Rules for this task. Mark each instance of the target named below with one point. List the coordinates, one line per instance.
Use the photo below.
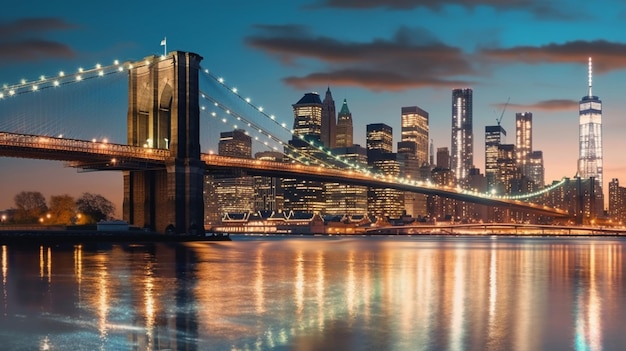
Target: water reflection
(318, 293)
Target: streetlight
(167, 143)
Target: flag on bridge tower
(164, 44)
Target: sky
(379, 55)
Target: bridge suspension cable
(337, 160)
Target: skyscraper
(379, 141)
(462, 145)
(590, 135)
(307, 117)
(523, 141)
(346, 198)
(507, 169)
(494, 136)
(536, 169)
(224, 193)
(344, 134)
(304, 195)
(329, 121)
(415, 128)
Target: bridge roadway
(445, 228)
(100, 155)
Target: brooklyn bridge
(162, 161)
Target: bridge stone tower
(164, 113)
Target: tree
(30, 206)
(62, 209)
(95, 207)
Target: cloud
(554, 105)
(607, 56)
(539, 8)
(33, 50)
(23, 40)
(412, 58)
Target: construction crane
(503, 109)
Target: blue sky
(378, 57)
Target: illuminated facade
(494, 136)
(536, 169)
(307, 117)
(329, 121)
(268, 192)
(523, 141)
(415, 128)
(226, 193)
(590, 135)
(385, 202)
(507, 169)
(347, 199)
(304, 195)
(617, 201)
(462, 145)
(344, 127)
(379, 140)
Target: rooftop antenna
(590, 76)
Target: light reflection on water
(318, 293)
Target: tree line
(31, 207)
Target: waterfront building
(385, 202)
(581, 197)
(268, 192)
(494, 136)
(536, 169)
(329, 121)
(412, 153)
(379, 140)
(523, 141)
(347, 199)
(414, 204)
(507, 169)
(305, 195)
(414, 128)
(344, 127)
(442, 208)
(617, 201)
(590, 134)
(462, 143)
(226, 192)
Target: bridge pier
(164, 112)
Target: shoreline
(87, 236)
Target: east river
(317, 293)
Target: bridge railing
(73, 145)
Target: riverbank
(74, 236)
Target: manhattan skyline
(378, 57)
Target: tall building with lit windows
(345, 131)
(224, 193)
(523, 141)
(305, 195)
(462, 143)
(590, 135)
(537, 172)
(494, 137)
(329, 121)
(386, 202)
(414, 124)
(379, 141)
